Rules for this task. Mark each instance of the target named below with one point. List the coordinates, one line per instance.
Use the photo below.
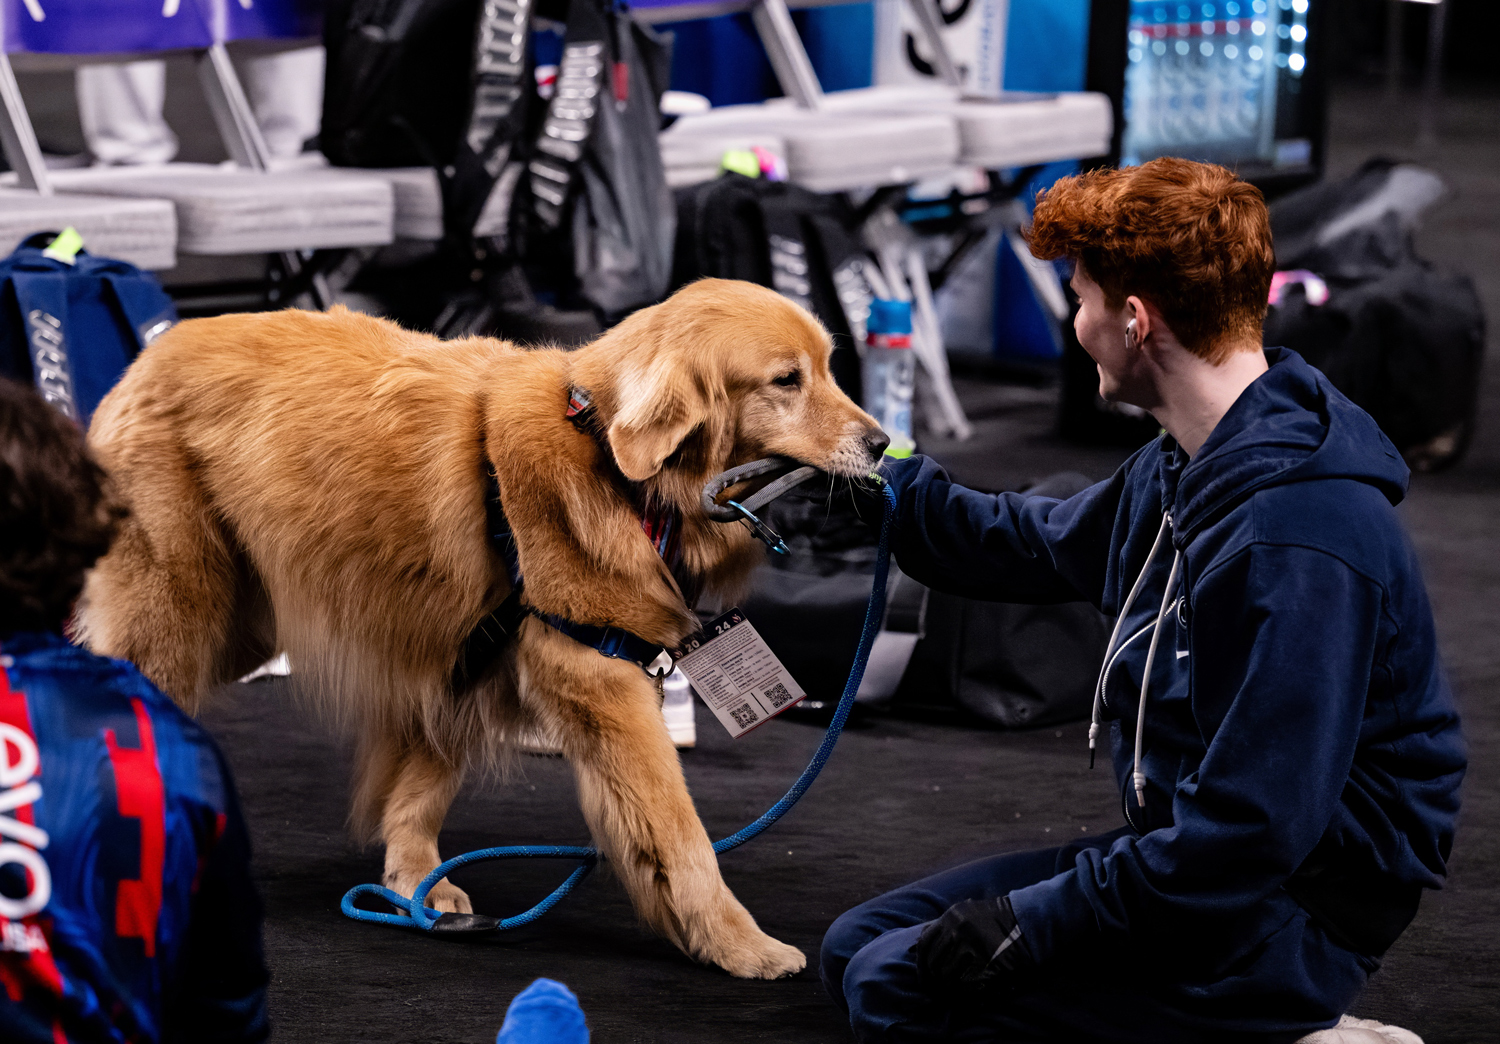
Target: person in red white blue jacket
(126, 907)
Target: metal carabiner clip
(788, 474)
(764, 533)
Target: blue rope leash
(418, 915)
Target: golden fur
(314, 483)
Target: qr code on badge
(777, 696)
(744, 715)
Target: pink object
(1312, 285)
(772, 166)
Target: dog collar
(580, 407)
(660, 523)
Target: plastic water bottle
(889, 371)
(678, 710)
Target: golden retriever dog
(316, 484)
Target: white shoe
(1361, 1031)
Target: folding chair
(143, 232)
(242, 210)
(828, 151)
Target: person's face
(1102, 332)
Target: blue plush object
(546, 1012)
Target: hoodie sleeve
(1282, 650)
(1004, 547)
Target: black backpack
(594, 219)
(801, 244)
(446, 84)
(569, 193)
(1401, 339)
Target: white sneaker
(679, 710)
(1361, 1031)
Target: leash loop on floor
(416, 914)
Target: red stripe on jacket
(140, 793)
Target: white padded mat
(416, 194)
(691, 158)
(1015, 131)
(141, 231)
(419, 202)
(827, 152)
(231, 211)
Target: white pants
(120, 106)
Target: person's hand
(975, 946)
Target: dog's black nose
(876, 441)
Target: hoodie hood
(1290, 425)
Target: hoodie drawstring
(1138, 778)
(1136, 775)
(1110, 650)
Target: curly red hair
(1190, 238)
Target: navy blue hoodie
(1296, 701)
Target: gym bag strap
(570, 114)
(791, 268)
(845, 260)
(42, 300)
(435, 83)
(143, 303)
(621, 217)
(477, 186)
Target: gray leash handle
(794, 475)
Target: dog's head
(721, 373)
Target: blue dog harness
(483, 646)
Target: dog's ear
(658, 408)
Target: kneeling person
(1287, 749)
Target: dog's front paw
(763, 958)
(449, 898)
(444, 897)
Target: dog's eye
(788, 380)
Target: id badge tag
(737, 675)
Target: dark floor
(897, 799)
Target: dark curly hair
(1191, 238)
(57, 514)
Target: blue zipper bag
(70, 323)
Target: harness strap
(484, 644)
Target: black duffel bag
(974, 662)
(1010, 665)
(1403, 340)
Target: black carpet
(898, 798)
